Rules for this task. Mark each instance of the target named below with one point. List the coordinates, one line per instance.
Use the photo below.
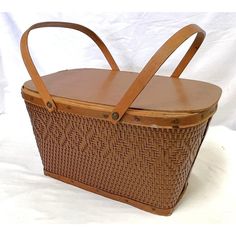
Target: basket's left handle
(43, 91)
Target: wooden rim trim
(155, 119)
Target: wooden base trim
(142, 206)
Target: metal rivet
(175, 121)
(115, 115)
(175, 126)
(49, 104)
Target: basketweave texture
(145, 164)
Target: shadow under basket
(120, 134)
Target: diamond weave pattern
(145, 164)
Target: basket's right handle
(156, 62)
(46, 97)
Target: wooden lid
(107, 87)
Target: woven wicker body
(137, 156)
(146, 166)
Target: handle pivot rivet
(115, 115)
(49, 104)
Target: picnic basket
(131, 137)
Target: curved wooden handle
(156, 62)
(47, 99)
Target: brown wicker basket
(121, 134)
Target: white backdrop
(132, 39)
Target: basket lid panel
(107, 87)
